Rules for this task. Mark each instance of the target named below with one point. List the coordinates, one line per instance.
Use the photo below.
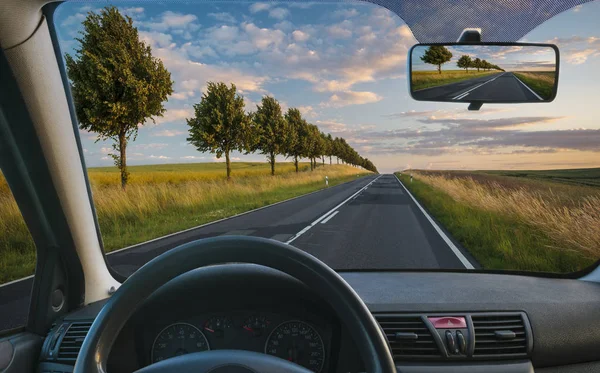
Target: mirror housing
(460, 72)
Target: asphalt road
(496, 87)
(369, 223)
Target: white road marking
(461, 96)
(530, 90)
(330, 211)
(329, 217)
(446, 239)
(474, 88)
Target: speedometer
(178, 339)
(298, 342)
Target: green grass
(428, 79)
(163, 199)
(541, 83)
(496, 241)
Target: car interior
(245, 296)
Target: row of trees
(466, 62)
(221, 125)
(118, 86)
(439, 55)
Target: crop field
(163, 199)
(428, 79)
(522, 220)
(541, 82)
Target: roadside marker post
(327, 181)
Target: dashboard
(302, 338)
(510, 323)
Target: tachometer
(178, 339)
(298, 342)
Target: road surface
(368, 223)
(496, 87)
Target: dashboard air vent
(72, 341)
(408, 336)
(500, 335)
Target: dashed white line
(330, 211)
(329, 217)
(530, 90)
(446, 239)
(474, 88)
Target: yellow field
(428, 79)
(163, 199)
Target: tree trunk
(228, 165)
(323, 159)
(338, 160)
(123, 159)
(272, 161)
(439, 68)
(296, 163)
(330, 160)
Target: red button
(448, 322)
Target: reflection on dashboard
(304, 342)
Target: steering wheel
(351, 310)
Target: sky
(344, 66)
(509, 58)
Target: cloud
(172, 21)
(340, 31)
(279, 13)
(173, 115)
(259, 7)
(149, 146)
(223, 17)
(345, 13)
(307, 111)
(156, 38)
(192, 158)
(159, 157)
(182, 95)
(73, 19)
(168, 133)
(345, 98)
(300, 36)
(576, 50)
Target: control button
(448, 322)
(461, 342)
(451, 343)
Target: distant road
(367, 224)
(497, 87)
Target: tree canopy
(464, 62)
(220, 123)
(437, 55)
(272, 129)
(117, 84)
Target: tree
(477, 63)
(464, 62)
(117, 84)
(273, 129)
(485, 65)
(330, 147)
(220, 124)
(296, 143)
(314, 145)
(437, 55)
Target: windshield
(293, 121)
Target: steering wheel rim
(348, 306)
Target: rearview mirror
(484, 72)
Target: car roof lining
(442, 21)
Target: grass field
(163, 199)
(541, 82)
(517, 223)
(428, 79)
